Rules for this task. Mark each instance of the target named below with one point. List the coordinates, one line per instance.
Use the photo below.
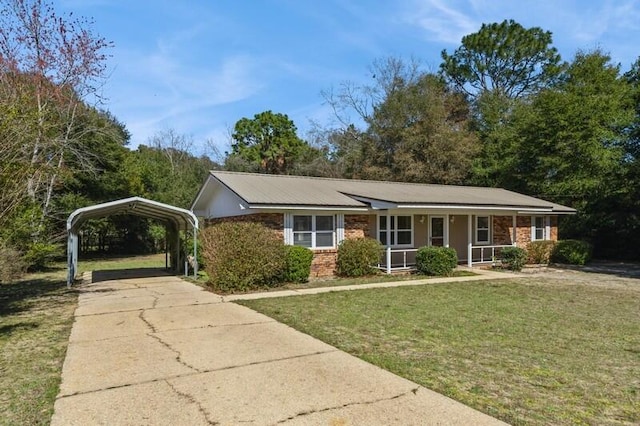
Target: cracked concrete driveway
(161, 351)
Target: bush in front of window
(540, 251)
(357, 257)
(440, 261)
(242, 256)
(514, 258)
(298, 261)
(573, 252)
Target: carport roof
(182, 218)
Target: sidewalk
(161, 351)
(482, 274)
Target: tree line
(504, 109)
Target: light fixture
(421, 219)
(453, 219)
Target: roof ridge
(355, 180)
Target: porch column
(446, 230)
(195, 253)
(388, 243)
(514, 221)
(469, 241)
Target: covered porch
(477, 236)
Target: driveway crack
(194, 401)
(350, 404)
(153, 334)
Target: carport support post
(195, 252)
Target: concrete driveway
(155, 350)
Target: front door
(436, 231)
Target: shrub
(573, 252)
(540, 251)
(514, 258)
(11, 264)
(298, 260)
(39, 255)
(242, 256)
(436, 260)
(357, 257)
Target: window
(313, 231)
(482, 230)
(539, 228)
(401, 228)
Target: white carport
(174, 218)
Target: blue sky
(199, 66)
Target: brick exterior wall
(502, 230)
(523, 231)
(356, 226)
(324, 263)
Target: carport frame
(179, 219)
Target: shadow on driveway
(123, 274)
(620, 269)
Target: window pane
(539, 222)
(539, 233)
(302, 223)
(383, 238)
(483, 222)
(483, 235)
(393, 222)
(404, 222)
(404, 237)
(383, 222)
(302, 239)
(324, 239)
(324, 223)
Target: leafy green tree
(267, 143)
(504, 58)
(573, 146)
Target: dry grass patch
(540, 350)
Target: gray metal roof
(182, 218)
(278, 190)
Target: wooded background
(504, 110)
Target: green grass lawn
(36, 314)
(528, 351)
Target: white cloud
(440, 20)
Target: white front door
(436, 231)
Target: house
(320, 212)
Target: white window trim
(395, 231)
(289, 235)
(489, 233)
(546, 220)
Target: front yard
(558, 348)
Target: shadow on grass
(124, 274)
(9, 329)
(23, 295)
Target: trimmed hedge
(540, 251)
(242, 256)
(298, 260)
(357, 257)
(436, 260)
(514, 258)
(573, 252)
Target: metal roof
(260, 190)
(182, 218)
